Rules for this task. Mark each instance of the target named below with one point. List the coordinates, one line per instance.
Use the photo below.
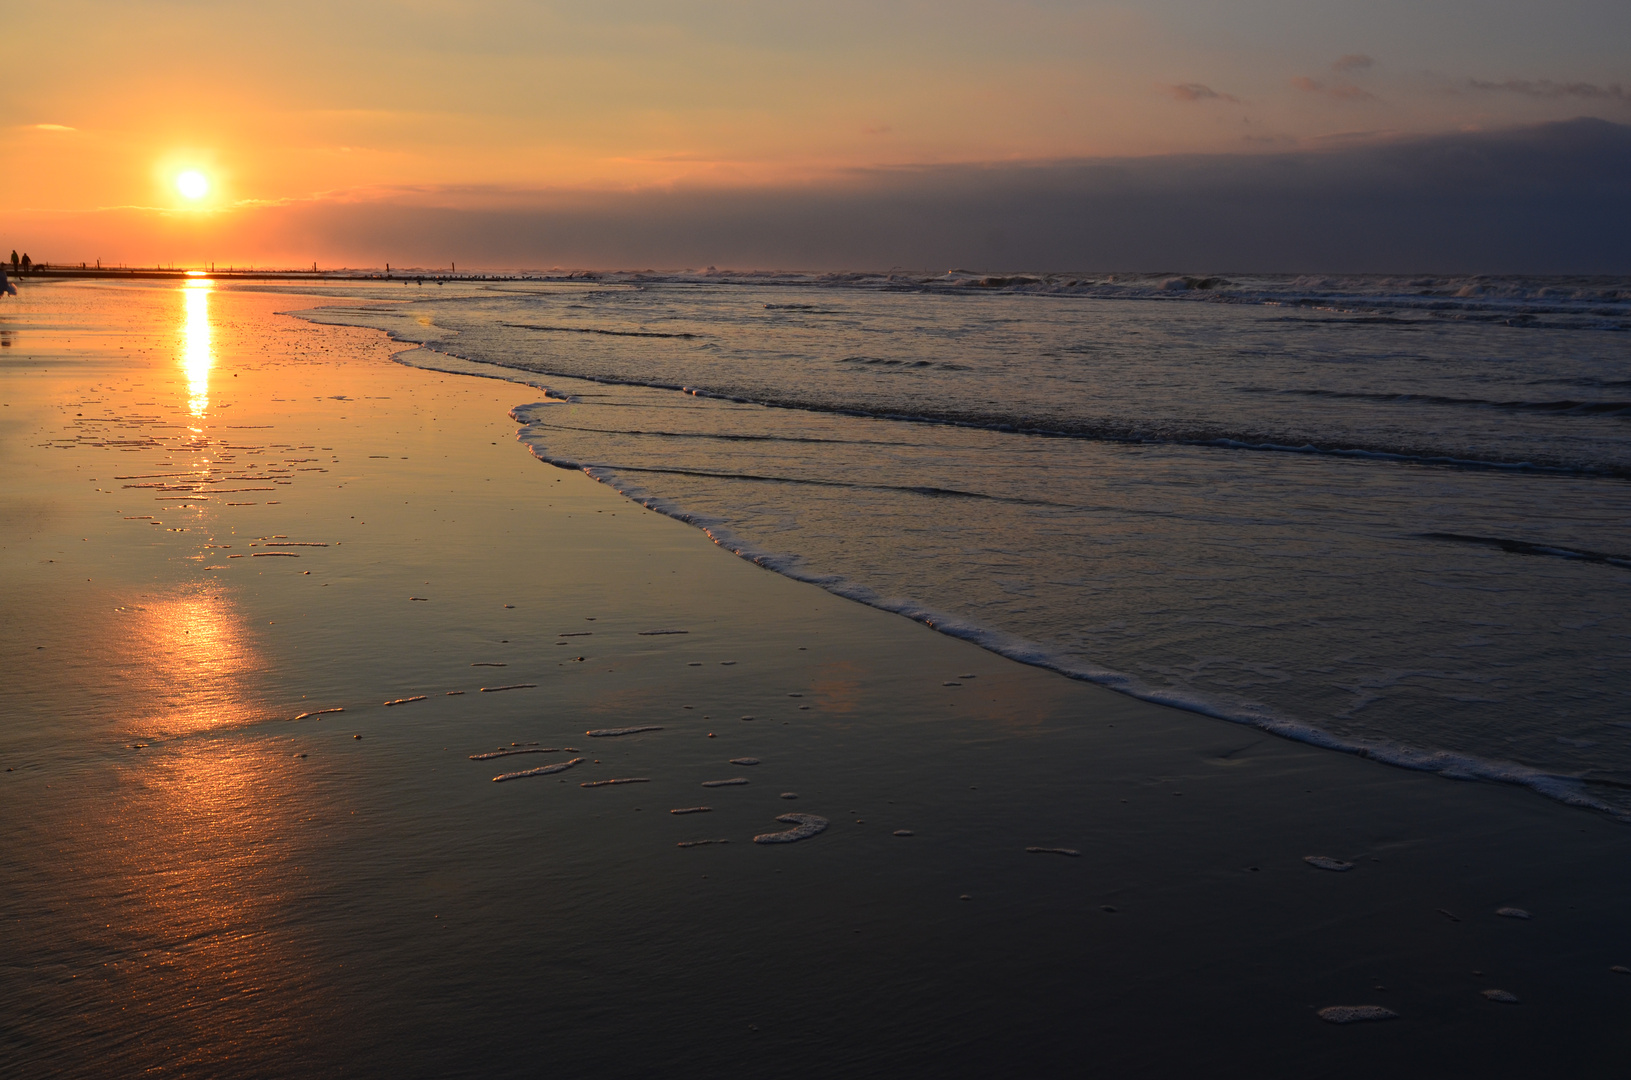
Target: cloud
(1340, 91)
(1551, 198)
(1353, 62)
(1546, 88)
(53, 127)
(1198, 92)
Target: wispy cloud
(53, 127)
(1353, 62)
(1340, 91)
(1546, 88)
(1199, 92)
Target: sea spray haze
(1391, 515)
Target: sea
(1386, 515)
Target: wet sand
(195, 882)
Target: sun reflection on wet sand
(197, 353)
(195, 654)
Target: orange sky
(465, 103)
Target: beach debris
(542, 770)
(1355, 1014)
(271, 554)
(619, 780)
(609, 732)
(1107, 909)
(790, 794)
(320, 712)
(528, 750)
(1325, 862)
(747, 718)
(1513, 913)
(660, 633)
(421, 599)
(965, 896)
(744, 761)
(727, 663)
(1620, 969)
(804, 827)
(356, 736)
(951, 684)
(454, 693)
(1505, 997)
(903, 832)
(692, 810)
(405, 700)
(487, 663)
(1072, 852)
(1452, 916)
(512, 686)
(734, 781)
(699, 843)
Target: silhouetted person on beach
(6, 287)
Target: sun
(193, 184)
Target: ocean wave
(1571, 789)
(1563, 407)
(1551, 302)
(1145, 432)
(1526, 547)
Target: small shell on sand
(512, 686)
(544, 770)
(529, 750)
(319, 712)
(744, 761)
(1354, 1014)
(405, 700)
(732, 782)
(1054, 851)
(620, 780)
(804, 827)
(692, 810)
(1513, 913)
(699, 843)
(790, 794)
(903, 832)
(1503, 996)
(608, 732)
(1325, 862)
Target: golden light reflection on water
(197, 352)
(196, 654)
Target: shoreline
(1568, 790)
(350, 893)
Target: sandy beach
(269, 594)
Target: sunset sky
(487, 106)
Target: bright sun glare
(192, 184)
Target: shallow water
(1386, 515)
